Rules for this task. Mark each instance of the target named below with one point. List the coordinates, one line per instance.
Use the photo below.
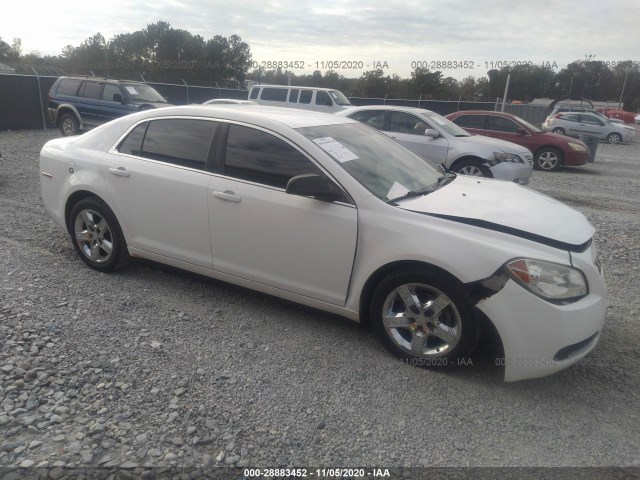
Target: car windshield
(143, 93)
(339, 98)
(528, 125)
(383, 166)
(447, 125)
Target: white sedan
(324, 211)
(441, 141)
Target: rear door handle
(227, 195)
(120, 171)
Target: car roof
(101, 79)
(298, 87)
(485, 112)
(387, 108)
(256, 114)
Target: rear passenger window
(260, 157)
(470, 121)
(183, 142)
(92, 90)
(293, 95)
(323, 98)
(254, 93)
(68, 86)
(274, 94)
(305, 96)
(131, 144)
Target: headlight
(506, 157)
(551, 281)
(577, 147)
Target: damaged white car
(324, 211)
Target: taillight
(557, 115)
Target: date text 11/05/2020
(442, 64)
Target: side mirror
(521, 131)
(316, 186)
(117, 97)
(431, 132)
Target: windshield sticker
(335, 149)
(131, 90)
(397, 190)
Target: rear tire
(96, 235)
(69, 125)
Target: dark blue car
(81, 103)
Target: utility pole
(506, 90)
(623, 87)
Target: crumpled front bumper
(541, 338)
(512, 172)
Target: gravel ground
(157, 367)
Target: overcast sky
(367, 31)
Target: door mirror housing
(117, 97)
(316, 186)
(431, 132)
(521, 131)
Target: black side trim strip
(513, 231)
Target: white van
(325, 100)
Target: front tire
(423, 318)
(559, 131)
(548, 159)
(614, 138)
(472, 167)
(69, 125)
(96, 235)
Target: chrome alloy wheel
(422, 320)
(68, 126)
(470, 170)
(93, 236)
(548, 160)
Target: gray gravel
(156, 367)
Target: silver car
(441, 141)
(575, 124)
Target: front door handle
(120, 171)
(227, 195)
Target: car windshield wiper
(445, 178)
(411, 193)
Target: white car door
(409, 129)
(163, 177)
(261, 233)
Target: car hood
(499, 145)
(509, 208)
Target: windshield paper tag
(131, 90)
(397, 190)
(335, 149)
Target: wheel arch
(67, 108)
(376, 277)
(467, 157)
(74, 198)
(553, 147)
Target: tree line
(162, 53)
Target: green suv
(80, 103)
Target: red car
(550, 151)
(626, 117)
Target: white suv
(441, 141)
